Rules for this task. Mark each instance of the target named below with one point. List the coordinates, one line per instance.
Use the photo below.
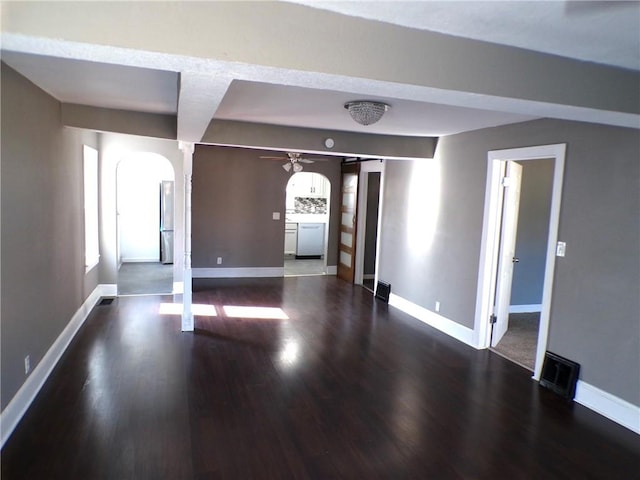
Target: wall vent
(560, 375)
(382, 291)
(105, 301)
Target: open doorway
(520, 339)
(306, 224)
(369, 206)
(498, 250)
(144, 219)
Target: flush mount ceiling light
(366, 112)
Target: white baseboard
(451, 328)
(178, 288)
(240, 272)
(608, 405)
(21, 401)
(332, 269)
(140, 260)
(108, 290)
(535, 307)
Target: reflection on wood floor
(325, 383)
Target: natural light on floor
(255, 312)
(197, 309)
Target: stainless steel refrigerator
(166, 221)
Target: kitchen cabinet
(309, 184)
(290, 238)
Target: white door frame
(363, 188)
(491, 236)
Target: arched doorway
(306, 224)
(144, 224)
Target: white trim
(108, 289)
(332, 269)
(534, 307)
(21, 401)
(239, 272)
(140, 260)
(608, 405)
(178, 288)
(490, 236)
(451, 328)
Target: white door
(506, 255)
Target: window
(91, 245)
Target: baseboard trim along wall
(19, 404)
(608, 405)
(536, 307)
(451, 328)
(332, 269)
(604, 403)
(239, 272)
(140, 260)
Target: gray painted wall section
(43, 273)
(594, 313)
(120, 121)
(533, 232)
(234, 196)
(254, 135)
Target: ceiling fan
(293, 161)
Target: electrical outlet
(561, 249)
(437, 306)
(219, 261)
(27, 365)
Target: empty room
(382, 240)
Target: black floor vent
(560, 375)
(382, 291)
(105, 301)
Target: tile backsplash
(311, 205)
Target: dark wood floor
(347, 388)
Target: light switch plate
(561, 249)
(276, 215)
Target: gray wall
(594, 311)
(234, 196)
(43, 278)
(533, 232)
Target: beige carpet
(520, 342)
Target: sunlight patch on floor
(255, 312)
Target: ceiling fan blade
(306, 160)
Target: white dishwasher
(310, 240)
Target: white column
(187, 315)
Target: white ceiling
(100, 84)
(102, 76)
(324, 109)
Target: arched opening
(307, 210)
(144, 224)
